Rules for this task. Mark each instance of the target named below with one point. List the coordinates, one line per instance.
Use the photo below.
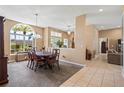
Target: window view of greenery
(65, 43)
(21, 38)
(56, 40)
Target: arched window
(21, 37)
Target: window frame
(17, 40)
(54, 34)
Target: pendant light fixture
(69, 30)
(36, 17)
(36, 36)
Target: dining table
(45, 55)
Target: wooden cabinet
(3, 60)
(3, 70)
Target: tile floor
(97, 73)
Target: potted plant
(59, 43)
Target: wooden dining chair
(56, 51)
(30, 60)
(49, 49)
(37, 61)
(54, 58)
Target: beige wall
(91, 38)
(76, 55)
(85, 37)
(7, 27)
(80, 37)
(44, 32)
(67, 54)
(40, 41)
(46, 38)
(71, 41)
(112, 34)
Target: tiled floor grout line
(103, 77)
(111, 67)
(114, 79)
(92, 76)
(103, 66)
(105, 73)
(80, 77)
(108, 75)
(84, 73)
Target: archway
(21, 38)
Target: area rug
(21, 76)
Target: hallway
(97, 73)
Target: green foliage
(59, 43)
(22, 27)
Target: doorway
(103, 45)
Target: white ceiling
(62, 16)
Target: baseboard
(72, 63)
(96, 56)
(11, 61)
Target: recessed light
(100, 10)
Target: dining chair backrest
(33, 49)
(35, 57)
(57, 53)
(55, 57)
(51, 59)
(49, 49)
(29, 56)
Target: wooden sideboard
(3, 60)
(3, 70)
